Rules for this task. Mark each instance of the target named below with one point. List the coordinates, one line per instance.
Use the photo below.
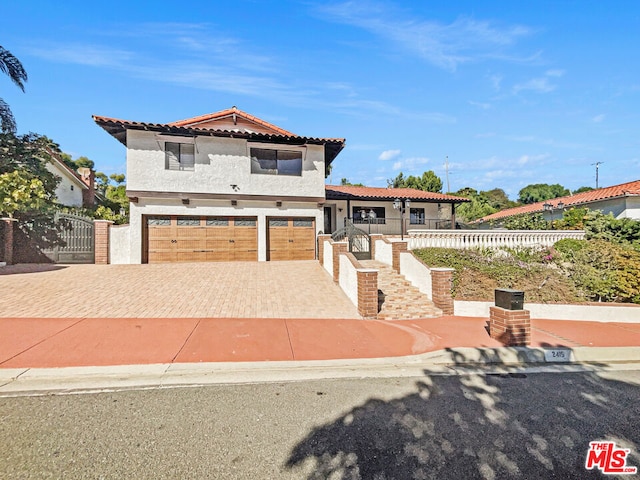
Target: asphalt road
(463, 427)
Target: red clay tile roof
(118, 129)
(579, 199)
(193, 122)
(338, 192)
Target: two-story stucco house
(222, 187)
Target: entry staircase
(397, 298)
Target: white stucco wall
(349, 279)
(384, 252)
(633, 208)
(69, 190)
(119, 244)
(416, 272)
(328, 257)
(592, 313)
(259, 209)
(220, 163)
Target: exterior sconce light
(278, 204)
(560, 205)
(407, 203)
(185, 201)
(547, 207)
(397, 204)
(234, 203)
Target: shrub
(602, 270)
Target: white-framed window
(179, 156)
(416, 216)
(368, 215)
(268, 161)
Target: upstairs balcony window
(265, 161)
(179, 156)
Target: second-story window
(179, 156)
(276, 162)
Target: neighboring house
(75, 189)
(623, 201)
(222, 187)
(373, 209)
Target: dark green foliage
(428, 182)
(539, 192)
(602, 270)
(527, 222)
(12, 67)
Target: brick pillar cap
(442, 269)
(367, 270)
(105, 221)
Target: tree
(345, 181)
(478, 207)
(11, 66)
(27, 188)
(428, 182)
(583, 189)
(498, 199)
(540, 192)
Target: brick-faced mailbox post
(509, 323)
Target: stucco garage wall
(119, 244)
(258, 209)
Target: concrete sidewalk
(83, 342)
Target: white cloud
(483, 106)
(537, 85)
(82, 54)
(444, 45)
(555, 73)
(411, 165)
(598, 118)
(389, 154)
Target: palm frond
(11, 66)
(7, 122)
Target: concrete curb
(68, 380)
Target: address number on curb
(557, 355)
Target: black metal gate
(77, 240)
(359, 240)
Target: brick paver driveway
(301, 289)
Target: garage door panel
(292, 238)
(202, 239)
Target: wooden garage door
(292, 239)
(201, 239)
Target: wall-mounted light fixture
(185, 201)
(234, 203)
(278, 204)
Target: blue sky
(513, 93)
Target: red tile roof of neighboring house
(579, 199)
(337, 192)
(192, 122)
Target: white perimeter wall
(349, 279)
(593, 313)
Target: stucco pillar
(374, 237)
(396, 248)
(321, 239)
(511, 327)
(8, 224)
(101, 241)
(441, 289)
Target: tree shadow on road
(478, 425)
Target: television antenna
(597, 164)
